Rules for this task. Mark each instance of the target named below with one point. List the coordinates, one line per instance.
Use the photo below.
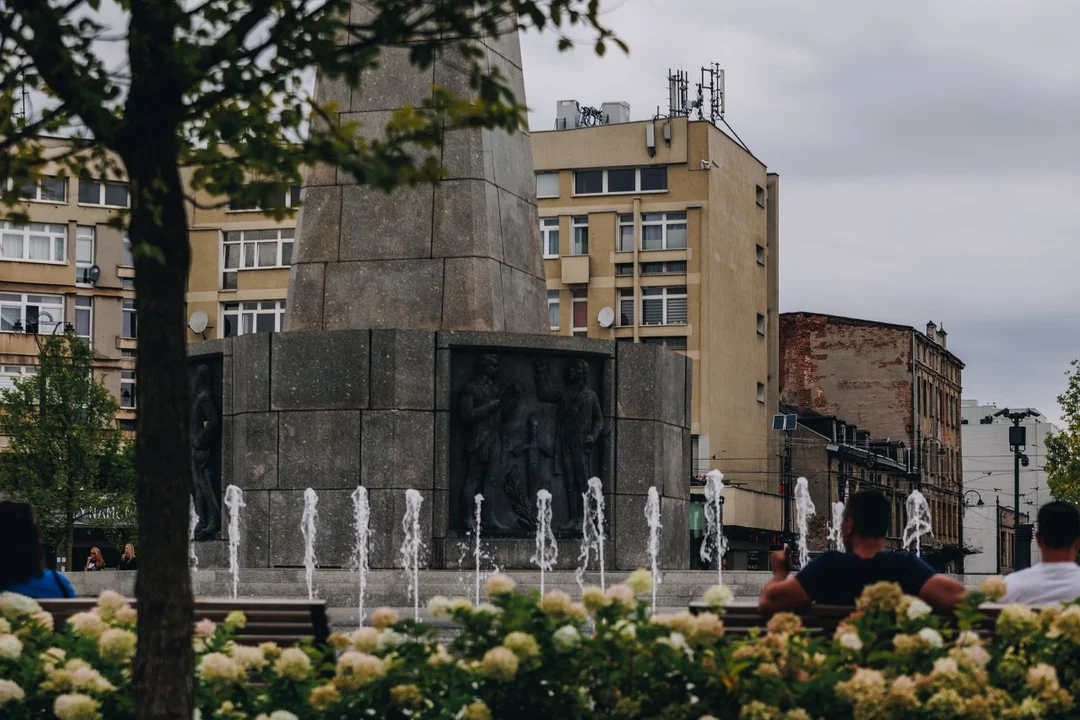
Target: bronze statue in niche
(519, 424)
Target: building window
(759, 195)
(36, 242)
(547, 184)
(553, 309)
(128, 354)
(620, 181)
(581, 235)
(626, 307)
(663, 306)
(549, 237)
(624, 269)
(761, 324)
(579, 322)
(252, 317)
(664, 268)
(127, 283)
(31, 313)
(288, 199)
(127, 389)
(761, 393)
(663, 231)
(128, 258)
(47, 189)
(84, 254)
(672, 342)
(10, 373)
(130, 328)
(761, 255)
(105, 193)
(626, 233)
(254, 250)
(84, 319)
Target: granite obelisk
(459, 255)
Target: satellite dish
(606, 318)
(198, 322)
(93, 274)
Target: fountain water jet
(918, 524)
(714, 541)
(193, 521)
(652, 517)
(234, 501)
(477, 552)
(592, 531)
(307, 530)
(547, 549)
(836, 532)
(411, 547)
(804, 508)
(362, 525)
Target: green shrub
(521, 656)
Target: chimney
(931, 332)
(943, 337)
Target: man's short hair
(869, 512)
(1059, 524)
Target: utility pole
(997, 531)
(1017, 442)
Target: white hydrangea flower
(851, 641)
(14, 606)
(917, 609)
(932, 637)
(10, 692)
(10, 647)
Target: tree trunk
(69, 539)
(148, 144)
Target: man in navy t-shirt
(838, 578)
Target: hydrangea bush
(519, 655)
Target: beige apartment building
(69, 268)
(666, 231)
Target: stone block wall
(331, 410)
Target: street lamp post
(1017, 442)
(960, 527)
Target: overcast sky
(928, 152)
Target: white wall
(988, 469)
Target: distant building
(902, 383)
(988, 476)
(666, 231)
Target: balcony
(575, 269)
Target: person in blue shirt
(838, 578)
(23, 571)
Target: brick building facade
(902, 383)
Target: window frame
(127, 249)
(579, 296)
(626, 297)
(760, 324)
(664, 223)
(759, 196)
(604, 181)
(549, 226)
(623, 221)
(670, 342)
(579, 223)
(237, 310)
(101, 194)
(242, 243)
(548, 174)
(37, 198)
(128, 379)
(759, 254)
(12, 372)
(293, 199)
(127, 308)
(554, 303)
(665, 294)
(57, 240)
(761, 393)
(81, 279)
(665, 264)
(23, 303)
(88, 308)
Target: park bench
(740, 617)
(285, 622)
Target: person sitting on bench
(838, 578)
(1057, 578)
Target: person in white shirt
(1057, 578)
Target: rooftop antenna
(678, 93)
(25, 111)
(712, 84)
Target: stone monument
(417, 355)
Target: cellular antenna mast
(711, 85)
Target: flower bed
(520, 656)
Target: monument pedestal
(383, 409)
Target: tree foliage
(147, 88)
(1063, 449)
(65, 454)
